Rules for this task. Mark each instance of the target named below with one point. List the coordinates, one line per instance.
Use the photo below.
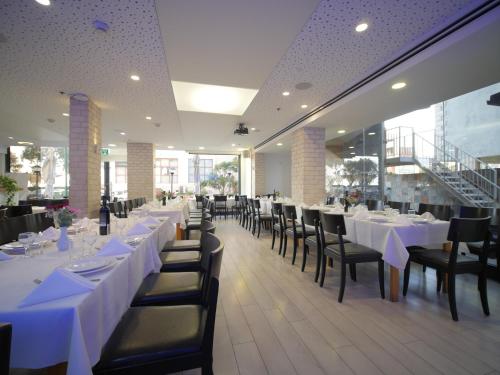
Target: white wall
(278, 173)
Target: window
(121, 172)
(206, 168)
(163, 167)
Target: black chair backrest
(289, 216)
(330, 200)
(220, 198)
(403, 207)
(210, 303)
(250, 207)
(3, 213)
(5, 342)
(374, 205)
(209, 243)
(310, 217)
(207, 226)
(441, 212)
(474, 212)
(469, 230)
(332, 223)
(13, 211)
(11, 227)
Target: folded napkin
(4, 256)
(138, 229)
(151, 221)
(403, 220)
(115, 246)
(50, 234)
(59, 284)
(428, 216)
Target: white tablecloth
(391, 239)
(72, 329)
(177, 212)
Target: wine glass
(120, 226)
(90, 240)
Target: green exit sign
(105, 151)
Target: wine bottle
(104, 218)
(346, 202)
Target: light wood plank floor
(273, 319)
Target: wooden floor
(274, 319)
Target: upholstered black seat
(168, 288)
(354, 253)
(180, 261)
(298, 230)
(182, 245)
(330, 239)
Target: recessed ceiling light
(351, 146)
(198, 97)
(170, 147)
(342, 131)
(201, 148)
(361, 27)
(25, 143)
(11, 138)
(253, 129)
(303, 106)
(111, 145)
(234, 144)
(43, 2)
(241, 149)
(279, 144)
(135, 77)
(353, 153)
(285, 93)
(149, 118)
(398, 85)
(371, 133)
(123, 133)
(65, 114)
(374, 154)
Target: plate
(12, 246)
(348, 214)
(133, 241)
(419, 221)
(379, 219)
(88, 265)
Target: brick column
(140, 170)
(258, 174)
(85, 157)
(308, 165)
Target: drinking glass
(26, 239)
(90, 240)
(411, 212)
(120, 226)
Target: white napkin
(50, 234)
(115, 246)
(4, 256)
(403, 220)
(428, 216)
(151, 221)
(138, 229)
(59, 284)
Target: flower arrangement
(353, 198)
(63, 215)
(160, 194)
(10, 187)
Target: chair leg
(295, 245)
(285, 241)
(304, 255)
(484, 292)
(186, 233)
(343, 272)
(352, 271)
(406, 278)
(281, 243)
(273, 240)
(323, 271)
(381, 278)
(258, 233)
(318, 263)
(439, 278)
(451, 296)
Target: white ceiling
(260, 44)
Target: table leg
(59, 369)
(394, 284)
(179, 232)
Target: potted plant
(9, 186)
(64, 218)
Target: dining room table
(62, 316)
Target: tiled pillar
(85, 156)
(308, 165)
(258, 174)
(140, 170)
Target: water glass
(411, 212)
(26, 239)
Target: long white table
(177, 212)
(72, 329)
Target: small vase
(63, 241)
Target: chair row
(122, 208)
(12, 226)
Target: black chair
(403, 207)
(120, 209)
(237, 207)
(292, 230)
(330, 200)
(3, 213)
(5, 342)
(162, 339)
(453, 263)
(190, 245)
(220, 205)
(183, 288)
(441, 212)
(259, 218)
(277, 218)
(474, 212)
(11, 227)
(195, 224)
(13, 211)
(374, 205)
(347, 253)
(199, 201)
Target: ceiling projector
(242, 130)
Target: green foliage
(32, 154)
(363, 171)
(220, 180)
(9, 185)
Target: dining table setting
(64, 305)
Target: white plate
(419, 221)
(99, 270)
(378, 219)
(88, 265)
(12, 246)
